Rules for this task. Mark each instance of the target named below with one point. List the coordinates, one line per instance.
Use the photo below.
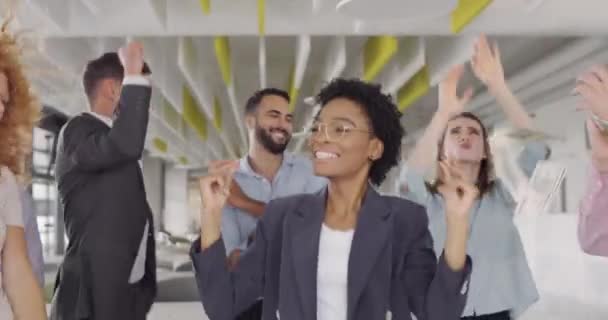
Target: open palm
(486, 63)
(592, 86)
(449, 101)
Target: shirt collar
(245, 166)
(108, 121)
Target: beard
(264, 136)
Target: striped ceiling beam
(297, 74)
(223, 57)
(466, 12)
(377, 52)
(205, 6)
(335, 63)
(190, 66)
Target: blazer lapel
(305, 229)
(370, 236)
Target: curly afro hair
(383, 116)
(22, 110)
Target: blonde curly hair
(22, 111)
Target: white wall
(176, 216)
(561, 118)
(153, 181)
(572, 284)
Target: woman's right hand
(450, 104)
(214, 189)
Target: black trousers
(252, 313)
(494, 316)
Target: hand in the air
(592, 86)
(214, 190)
(486, 64)
(449, 102)
(132, 58)
(236, 195)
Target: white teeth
(325, 155)
(278, 135)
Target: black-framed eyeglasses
(334, 131)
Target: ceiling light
(396, 9)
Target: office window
(44, 190)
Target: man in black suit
(109, 270)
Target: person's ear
(250, 121)
(376, 149)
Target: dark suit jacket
(105, 208)
(392, 265)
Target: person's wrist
(497, 88)
(457, 222)
(208, 220)
(444, 114)
(210, 232)
(133, 73)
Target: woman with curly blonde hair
(20, 295)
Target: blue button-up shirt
(294, 176)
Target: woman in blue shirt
(501, 284)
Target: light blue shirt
(295, 176)
(501, 279)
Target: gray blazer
(392, 266)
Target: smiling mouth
(278, 134)
(322, 155)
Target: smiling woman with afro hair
(347, 252)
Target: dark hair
(383, 116)
(104, 67)
(485, 180)
(254, 101)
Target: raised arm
(237, 198)
(592, 87)
(450, 104)
(488, 68)
(94, 150)
(225, 294)
(439, 290)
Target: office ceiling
(207, 57)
